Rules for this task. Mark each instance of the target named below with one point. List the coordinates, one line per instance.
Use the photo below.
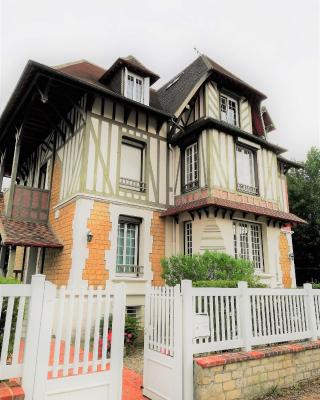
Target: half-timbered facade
(109, 175)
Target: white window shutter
(146, 86)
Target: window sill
(129, 279)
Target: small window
(247, 180)
(247, 239)
(134, 87)
(132, 165)
(190, 166)
(128, 247)
(229, 110)
(134, 311)
(188, 238)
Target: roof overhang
(226, 204)
(290, 163)
(209, 122)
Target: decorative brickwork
(99, 224)
(244, 376)
(157, 231)
(285, 262)
(58, 262)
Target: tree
(304, 199)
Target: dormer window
(135, 87)
(229, 110)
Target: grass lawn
(306, 390)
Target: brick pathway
(131, 388)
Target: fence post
(177, 342)
(32, 336)
(245, 316)
(311, 312)
(187, 335)
(117, 342)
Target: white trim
(247, 142)
(229, 99)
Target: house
(109, 175)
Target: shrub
(207, 267)
(8, 281)
(225, 284)
(316, 285)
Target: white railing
(68, 346)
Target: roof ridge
(69, 64)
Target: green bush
(8, 281)
(316, 285)
(225, 284)
(207, 267)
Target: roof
(134, 65)
(233, 205)
(172, 96)
(23, 233)
(290, 163)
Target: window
(134, 311)
(246, 170)
(191, 171)
(132, 165)
(188, 238)
(229, 110)
(134, 87)
(247, 239)
(42, 177)
(128, 246)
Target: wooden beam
(206, 210)
(232, 214)
(65, 119)
(14, 170)
(199, 213)
(191, 215)
(3, 156)
(176, 218)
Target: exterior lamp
(89, 236)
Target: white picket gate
(213, 319)
(162, 374)
(63, 353)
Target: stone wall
(244, 376)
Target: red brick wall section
(100, 226)
(11, 390)
(58, 261)
(157, 231)
(285, 262)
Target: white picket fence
(61, 343)
(216, 319)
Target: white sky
(271, 44)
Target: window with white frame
(247, 239)
(132, 165)
(247, 180)
(229, 110)
(134, 87)
(128, 246)
(188, 238)
(191, 170)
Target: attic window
(174, 80)
(134, 87)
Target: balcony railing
(129, 270)
(188, 187)
(127, 183)
(248, 189)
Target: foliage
(225, 284)
(315, 285)
(207, 267)
(8, 281)
(304, 198)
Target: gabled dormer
(128, 77)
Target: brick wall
(157, 231)
(244, 376)
(58, 261)
(285, 262)
(99, 224)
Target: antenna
(197, 51)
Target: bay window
(247, 239)
(247, 180)
(190, 168)
(132, 165)
(229, 110)
(128, 246)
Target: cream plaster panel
(80, 251)
(114, 154)
(245, 115)
(163, 173)
(153, 151)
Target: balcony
(127, 183)
(188, 187)
(254, 191)
(133, 271)
(29, 204)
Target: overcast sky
(273, 45)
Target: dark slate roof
(134, 65)
(232, 205)
(171, 97)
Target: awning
(23, 233)
(234, 206)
